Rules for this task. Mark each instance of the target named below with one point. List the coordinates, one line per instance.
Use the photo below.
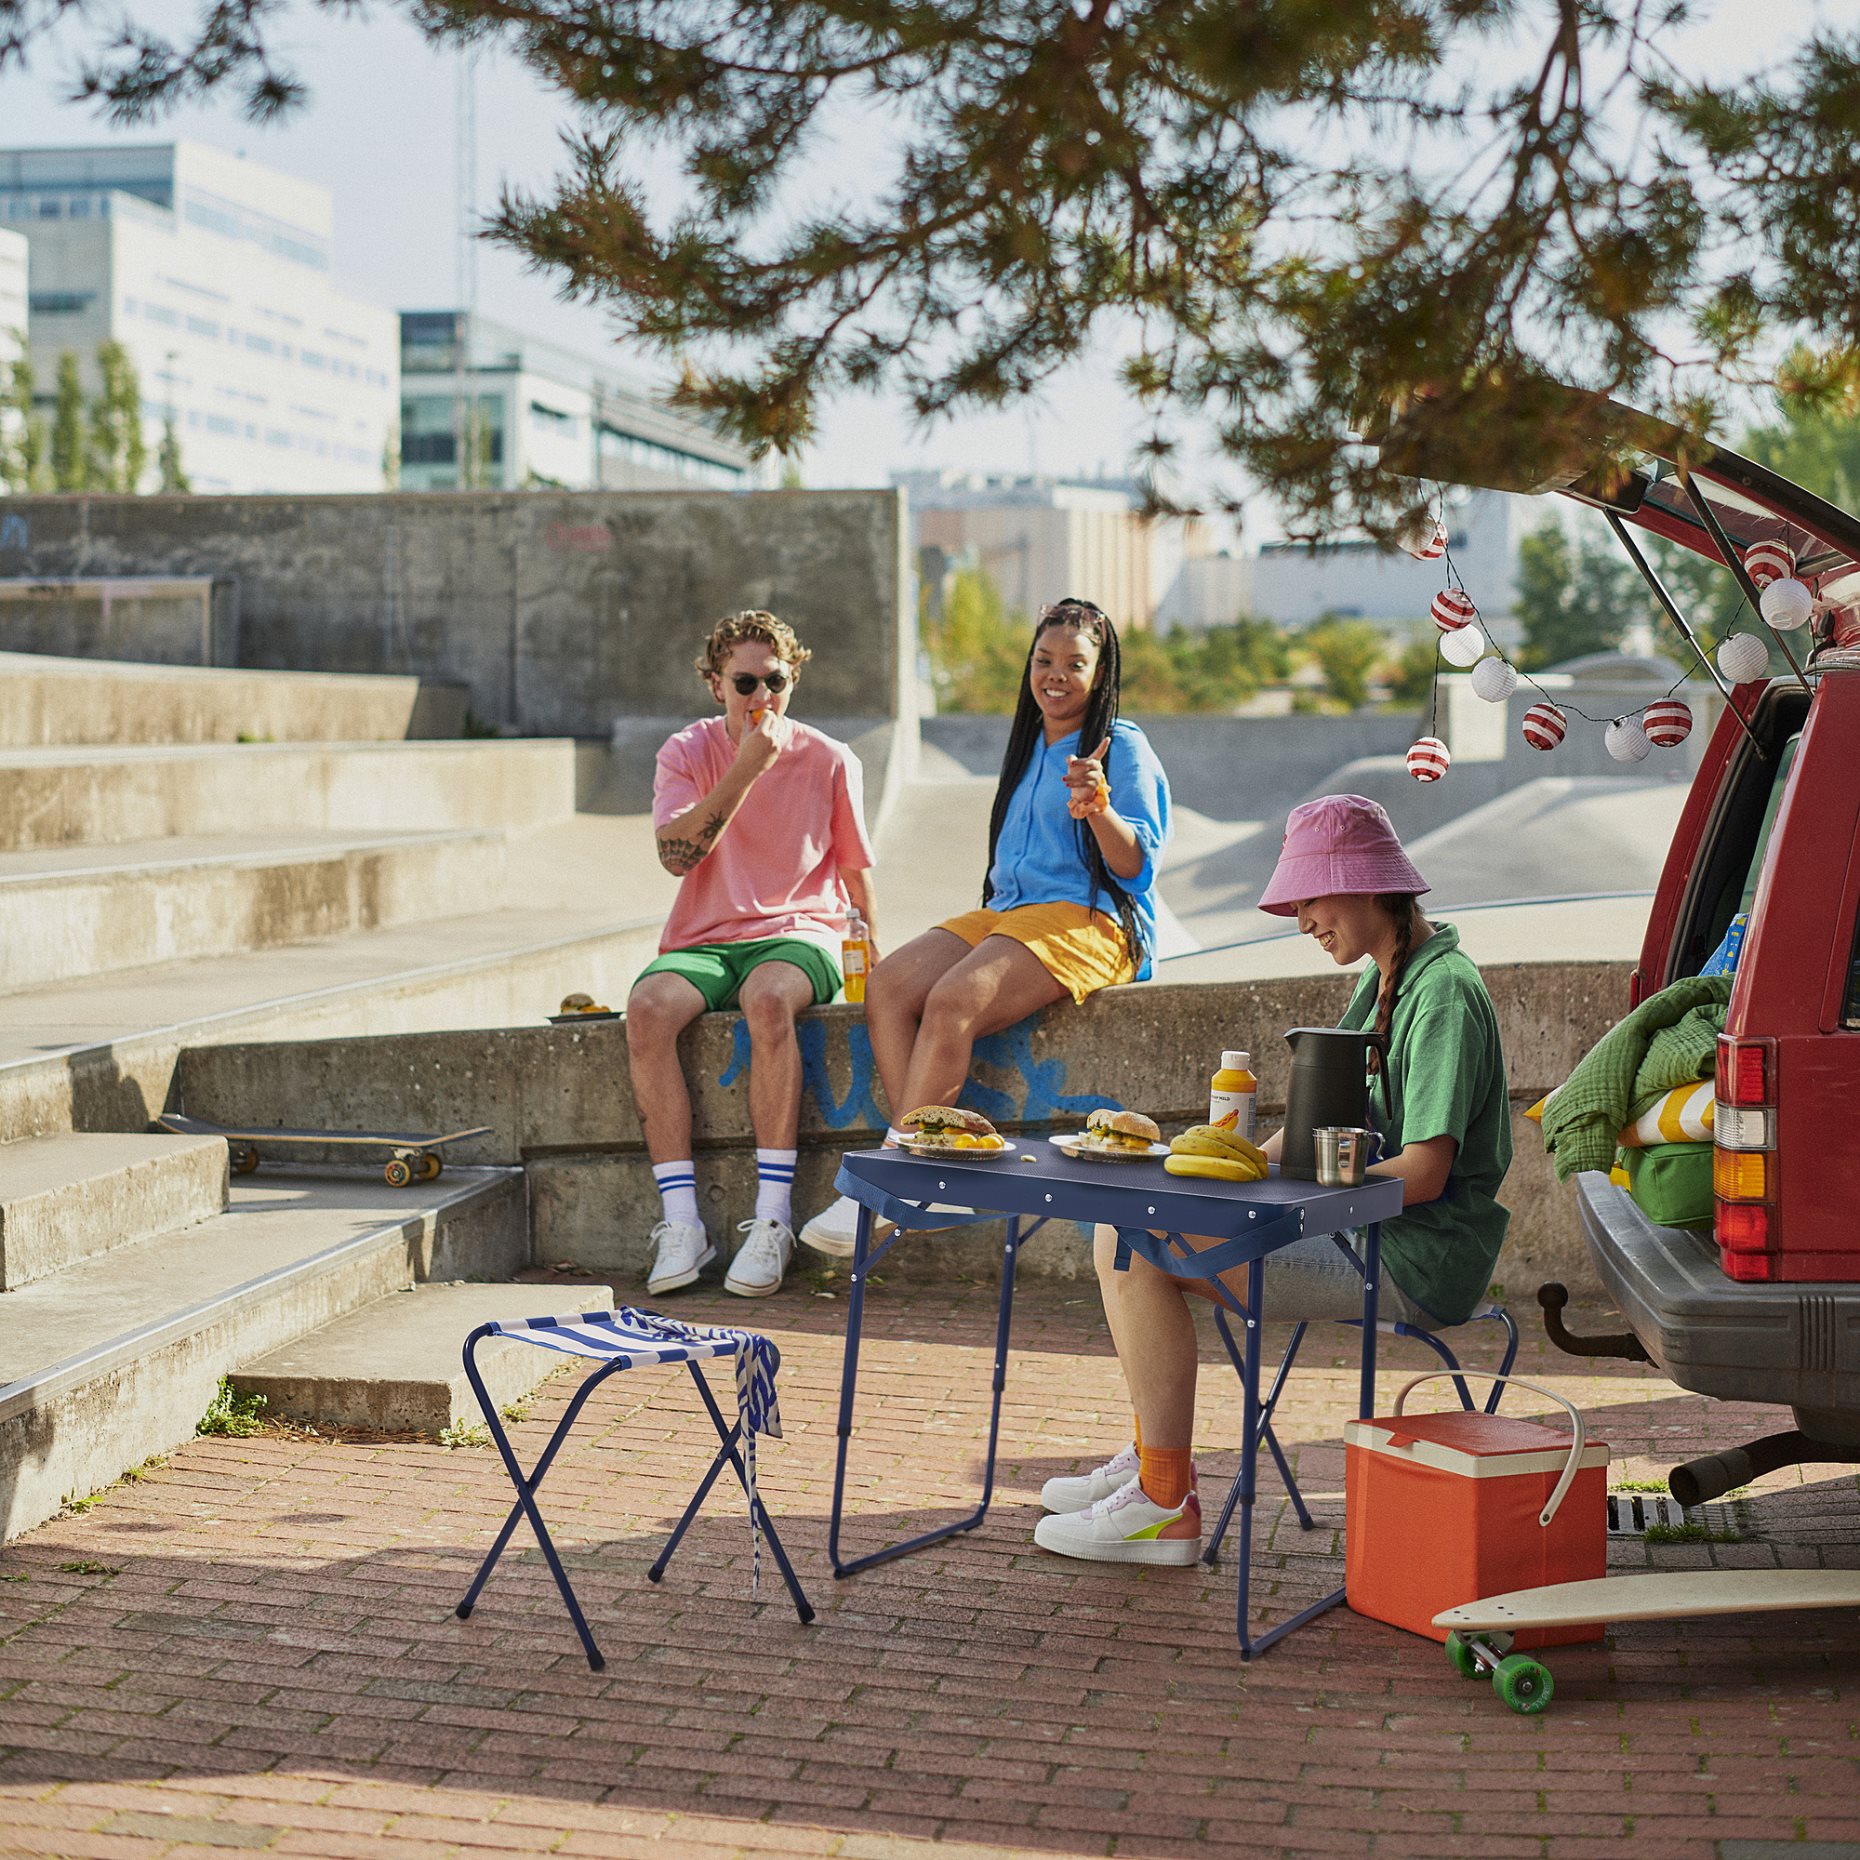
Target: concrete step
(116, 1358)
(108, 795)
(46, 700)
(75, 911)
(99, 1054)
(65, 1198)
(398, 1364)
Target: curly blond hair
(751, 623)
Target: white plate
(959, 1156)
(1067, 1143)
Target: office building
(214, 274)
(534, 415)
(12, 313)
(1037, 538)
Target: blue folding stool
(1496, 1313)
(626, 1339)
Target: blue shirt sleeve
(1140, 793)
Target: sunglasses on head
(1070, 600)
(746, 682)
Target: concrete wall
(190, 621)
(561, 610)
(558, 1101)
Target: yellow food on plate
(1106, 1129)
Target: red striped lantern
(1667, 722)
(1544, 726)
(1425, 543)
(1452, 609)
(1765, 562)
(1429, 759)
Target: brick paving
(252, 1646)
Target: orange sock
(1165, 1473)
(1136, 1431)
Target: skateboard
(1480, 1641)
(410, 1158)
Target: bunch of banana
(1209, 1150)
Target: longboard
(411, 1156)
(1480, 1640)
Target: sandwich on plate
(947, 1129)
(1118, 1132)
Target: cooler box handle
(1576, 1446)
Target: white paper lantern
(1463, 646)
(1494, 680)
(1626, 741)
(1667, 721)
(1743, 657)
(1787, 604)
(1429, 759)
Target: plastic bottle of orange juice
(1233, 1095)
(855, 956)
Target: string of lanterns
(1785, 603)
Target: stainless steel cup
(1344, 1153)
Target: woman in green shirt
(1439, 1099)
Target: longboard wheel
(1465, 1663)
(399, 1172)
(244, 1159)
(430, 1165)
(1523, 1684)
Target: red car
(1766, 1307)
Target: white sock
(678, 1190)
(894, 1137)
(775, 1186)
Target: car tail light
(1746, 1071)
(1740, 1175)
(1741, 1228)
(1736, 1127)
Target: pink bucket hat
(1339, 843)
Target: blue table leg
(855, 1311)
(1249, 1446)
(1211, 1556)
(1372, 1277)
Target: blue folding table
(1151, 1210)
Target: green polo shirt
(1446, 1078)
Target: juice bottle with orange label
(855, 956)
(1233, 1095)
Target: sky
(380, 132)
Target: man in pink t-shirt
(762, 819)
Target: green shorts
(718, 970)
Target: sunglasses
(746, 682)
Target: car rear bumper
(1795, 1344)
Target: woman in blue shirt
(1080, 818)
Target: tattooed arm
(686, 839)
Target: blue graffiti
(857, 1107)
(13, 533)
(1042, 1093)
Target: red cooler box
(1449, 1508)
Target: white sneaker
(1080, 1493)
(1127, 1527)
(835, 1229)
(760, 1261)
(682, 1251)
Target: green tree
(1501, 195)
(1347, 652)
(1573, 597)
(977, 649)
(70, 456)
(118, 452)
(25, 463)
(173, 473)
(1413, 673)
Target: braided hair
(1405, 908)
(1099, 722)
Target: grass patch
(465, 1434)
(14, 1575)
(88, 1568)
(1690, 1534)
(153, 1464)
(230, 1413)
(1640, 1485)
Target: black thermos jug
(1330, 1085)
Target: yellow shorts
(1081, 950)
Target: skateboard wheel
(243, 1160)
(1523, 1684)
(399, 1172)
(1465, 1663)
(430, 1166)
